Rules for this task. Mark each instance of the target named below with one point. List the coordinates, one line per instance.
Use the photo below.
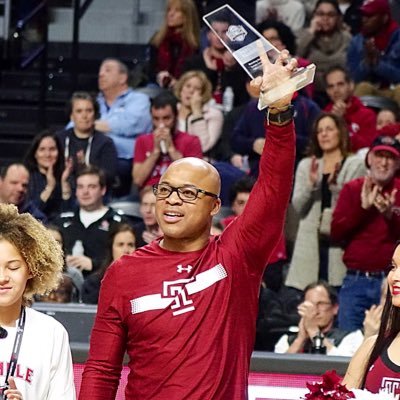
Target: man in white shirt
(316, 332)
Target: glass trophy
(244, 43)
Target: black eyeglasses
(185, 193)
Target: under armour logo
(180, 268)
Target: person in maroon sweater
(184, 306)
(360, 120)
(366, 221)
(156, 151)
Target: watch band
(281, 118)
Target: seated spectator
(351, 14)
(156, 151)
(49, 179)
(325, 41)
(121, 240)
(277, 312)
(197, 115)
(248, 136)
(291, 12)
(240, 192)
(349, 9)
(74, 273)
(82, 143)
(14, 183)
(147, 230)
(62, 294)
(177, 39)
(367, 225)
(219, 65)
(318, 181)
(88, 226)
(373, 57)
(316, 330)
(222, 151)
(360, 120)
(124, 114)
(385, 117)
(387, 123)
(239, 195)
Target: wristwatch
(280, 118)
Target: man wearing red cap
(366, 222)
(373, 56)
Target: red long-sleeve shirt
(361, 122)
(368, 237)
(187, 319)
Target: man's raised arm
(258, 230)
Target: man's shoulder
(395, 38)
(144, 139)
(358, 40)
(358, 105)
(115, 215)
(63, 133)
(135, 95)
(101, 139)
(185, 137)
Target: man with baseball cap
(366, 222)
(373, 56)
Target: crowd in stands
(344, 220)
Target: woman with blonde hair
(197, 114)
(177, 39)
(34, 347)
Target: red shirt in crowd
(367, 236)
(187, 145)
(361, 123)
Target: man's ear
(335, 309)
(217, 207)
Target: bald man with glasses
(184, 306)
